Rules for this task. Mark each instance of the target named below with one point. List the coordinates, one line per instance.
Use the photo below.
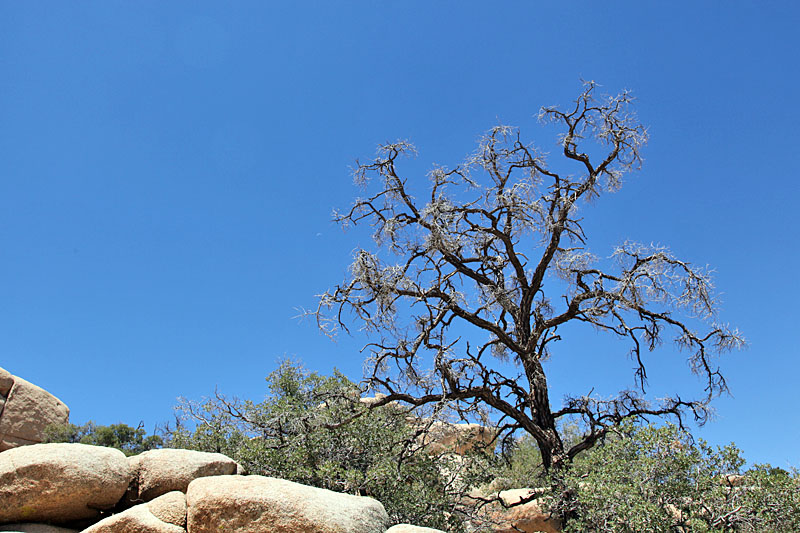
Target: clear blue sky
(168, 172)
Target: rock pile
(164, 491)
(67, 488)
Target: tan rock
(445, 437)
(369, 401)
(257, 504)
(165, 514)
(407, 528)
(60, 482)
(170, 508)
(27, 412)
(732, 480)
(527, 517)
(157, 472)
(6, 382)
(35, 528)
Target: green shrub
(123, 437)
(313, 430)
(658, 479)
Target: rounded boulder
(158, 472)
(257, 504)
(60, 483)
(25, 411)
(165, 514)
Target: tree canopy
(489, 266)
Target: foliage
(129, 440)
(520, 461)
(659, 479)
(471, 284)
(313, 430)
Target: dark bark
(478, 254)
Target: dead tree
(459, 289)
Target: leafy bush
(123, 437)
(659, 479)
(313, 429)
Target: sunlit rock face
(257, 504)
(25, 411)
(60, 482)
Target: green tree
(658, 479)
(313, 429)
(129, 440)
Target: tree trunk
(549, 441)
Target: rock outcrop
(46, 486)
(445, 437)
(66, 484)
(257, 504)
(60, 483)
(158, 472)
(440, 437)
(25, 411)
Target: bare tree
(477, 252)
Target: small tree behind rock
(129, 440)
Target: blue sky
(168, 172)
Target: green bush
(658, 479)
(313, 430)
(123, 437)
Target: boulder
(406, 528)
(165, 514)
(59, 482)
(257, 504)
(6, 382)
(528, 517)
(445, 437)
(26, 411)
(731, 480)
(157, 472)
(35, 528)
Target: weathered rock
(28, 410)
(407, 528)
(444, 437)
(157, 472)
(35, 528)
(528, 517)
(257, 504)
(165, 514)
(170, 508)
(731, 480)
(60, 482)
(6, 382)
